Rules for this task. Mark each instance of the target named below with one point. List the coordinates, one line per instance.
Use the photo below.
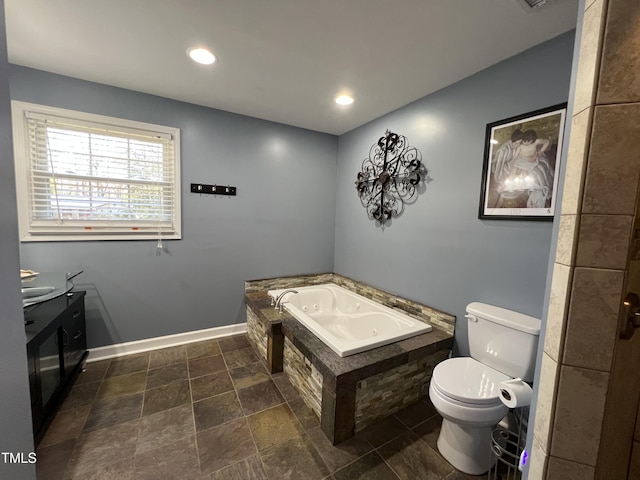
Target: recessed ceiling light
(344, 100)
(201, 55)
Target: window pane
(94, 155)
(91, 172)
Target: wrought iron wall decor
(390, 176)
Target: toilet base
(468, 449)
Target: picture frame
(521, 161)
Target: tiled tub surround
(264, 329)
(378, 396)
(347, 322)
(264, 323)
(306, 378)
(257, 333)
(389, 373)
(352, 392)
(417, 310)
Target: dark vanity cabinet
(56, 351)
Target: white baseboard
(138, 346)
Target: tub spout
(278, 303)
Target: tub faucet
(278, 303)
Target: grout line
(90, 405)
(373, 450)
(246, 422)
(419, 423)
(144, 396)
(193, 421)
(387, 463)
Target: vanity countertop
(60, 282)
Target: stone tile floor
(211, 411)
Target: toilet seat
(465, 391)
(466, 381)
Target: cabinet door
(48, 367)
(74, 341)
(33, 384)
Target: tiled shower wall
(596, 224)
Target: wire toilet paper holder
(508, 440)
(507, 444)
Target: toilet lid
(467, 380)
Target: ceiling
(280, 60)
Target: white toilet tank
(503, 339)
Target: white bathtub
(347, 322)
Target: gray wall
(290, 209)
(280, 223)
(15, 414)
(438, 252)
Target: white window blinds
(89, 176)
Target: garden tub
(346, 322)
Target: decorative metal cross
(389, 176)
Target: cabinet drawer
(74, 336)
(77, 345)
(73, 314)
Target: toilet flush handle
(472, 318)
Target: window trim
(19, 112)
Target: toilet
(503, 344)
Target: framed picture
(521, 158)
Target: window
(88, 177)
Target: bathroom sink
(45, 286)
(31, 292)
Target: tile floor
(211, 411)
